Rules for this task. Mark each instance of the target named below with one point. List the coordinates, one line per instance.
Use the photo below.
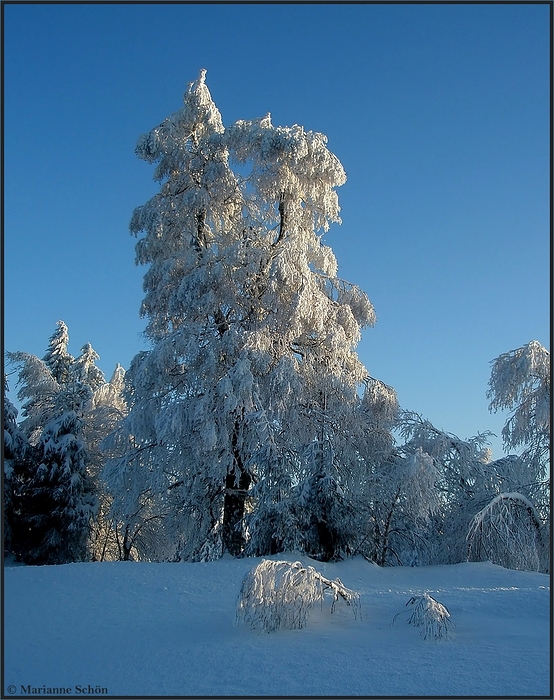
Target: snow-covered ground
(169, 629)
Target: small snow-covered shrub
(430, 615)
(280, 594)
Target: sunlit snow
(170, 629)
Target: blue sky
(438, 113)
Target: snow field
(169, 629)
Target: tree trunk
(237, 483)
(127, 544)
(388, 523)
(233, 512)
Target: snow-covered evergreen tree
(56, 503)
(16, 452)
(37, 392)
(55, 384)
(84, 371)
(249, 395)
(52, 504)
(66, 416)
(57, 358)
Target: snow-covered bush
(433, 617)
(280, 594)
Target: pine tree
(16, 449)
(37, 392)
(56, 503)
(57, 484)
(251, 387)
(84, 371)
(57, 358)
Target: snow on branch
(280, 594)
(430, 615)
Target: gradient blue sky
(439, 114)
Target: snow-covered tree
(513, 528)
(451, 479)
(109, 395)
(130, 525)
(55, 384)
(16, 452)
(492, 509)
(57, 358)
(520, 383)
(37, 392)
(84, 371)
(250, 393)
(66, 414)
(56, 503)
(52, 504)
(107, 410)
(404, 500)
(400, 494)
(507, 531)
